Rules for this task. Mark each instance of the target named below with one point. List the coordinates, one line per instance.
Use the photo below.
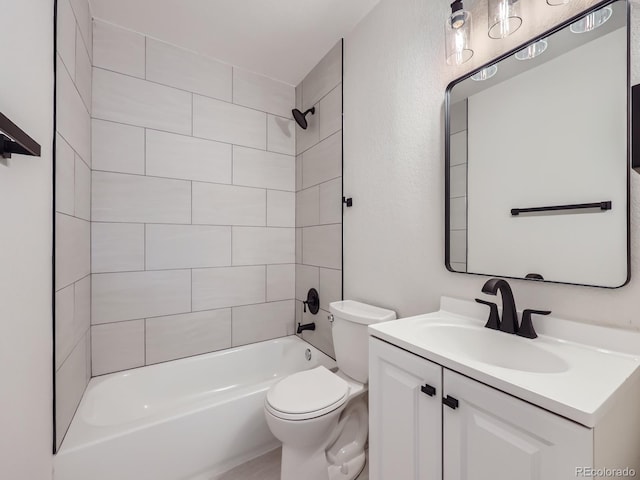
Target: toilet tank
(350, 337)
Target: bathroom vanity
(450, 399)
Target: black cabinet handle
(428, 390)
(450, 402)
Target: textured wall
(319, 196)
(26, 96)
(193, 238)
(73, 209)
(395, 78)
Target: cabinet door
(405, 423)
(492, 435)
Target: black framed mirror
(537, 157)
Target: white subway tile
(458, 246)
(226, 287)
(82, 190)
(82, 310)
(298, 173)
(74, 122)
(306, 139)
(73, 245)
(187, 246)
(281, 282)
(322, 162)
(178, 156)
(117, 346)
(64, 324)
(459, 116)
(256, 323)
(124, 99)
(258, 246)
(118, 147)
(71, 381)
(307, 277)
(322, 246)
(83, 16)
(65, 177)
(330, 287)
(322, 336)
(458, 149)
(117, 247)
(179, 336)
(299, 96)
(331, 201)
(458, 213)
(331, 113)
(298, 245)
(262, 93)
(459, 267)
(66, 32)
(84, 72)
(324, 77)
(126, 296)
(308, 207)
(187, 70)
(228, 205)
(225, 122)
(281, 135)
(258, 168)
(281, 209)
(132, 198)
(458, 181)
(119, 50)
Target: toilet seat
(306, 395)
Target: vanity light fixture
(532, 50)
(485, 73)
(557, 3)
(458, 35)
(504, 17)
(592, 21)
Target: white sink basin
(572, 369)
(493, 348)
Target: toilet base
(349, 470)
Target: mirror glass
(537, 158)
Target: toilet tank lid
(361, 312)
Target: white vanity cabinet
(487, 435)
(405, 438)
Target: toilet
(320, 416)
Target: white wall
(193, 212)
(26, 97)
(395, 78)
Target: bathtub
(189, 419)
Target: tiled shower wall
(73, 209)
(319, 196)
(458, 194)
(193, 218)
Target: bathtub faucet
(308, 326)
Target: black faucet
(308, 326)
(509, 321)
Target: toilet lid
(308, 391)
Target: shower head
(301, 118)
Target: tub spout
(308, 326)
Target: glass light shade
(555, 3)
(504, 17)
(592, 21)
(532, 51)
(485, 73)
(457, 37)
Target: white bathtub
(189, 419)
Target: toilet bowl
(321, 417)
